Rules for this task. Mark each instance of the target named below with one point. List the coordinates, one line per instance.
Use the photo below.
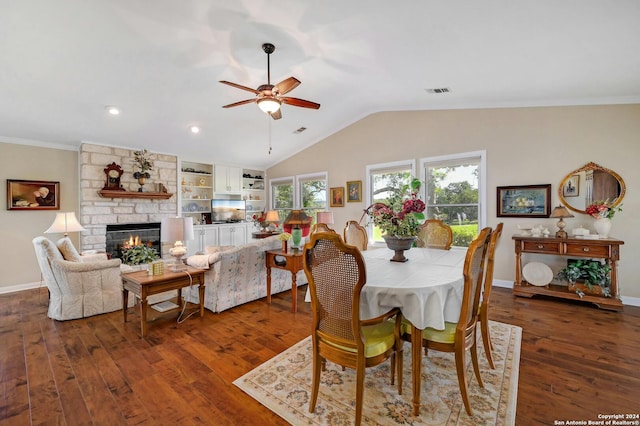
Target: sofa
(237, 275)
(79, 286)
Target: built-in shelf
(105, 193)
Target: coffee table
(289, 261)
(143, 285)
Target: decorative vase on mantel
(142, 178)
(399, 245)
(602, 226)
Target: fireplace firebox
(121, 235)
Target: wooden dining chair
(458, 337)
(321, 227)
(356, 235)
(435, 233)
(483, 311)
(336, 275)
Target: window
(310, 196)
(313, 193)
(282, 196)
(381, 179)
(454, 191)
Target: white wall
(524, 146)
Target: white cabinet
(228, 180)
(196, 183)
(232, 234)
(203, 235)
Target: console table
(608, 249)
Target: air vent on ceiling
(300, 130)
(439, 90)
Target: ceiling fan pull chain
(268, 119)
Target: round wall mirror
(590, 183)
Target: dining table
(427, 288)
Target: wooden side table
(289, 261)
(143, 285)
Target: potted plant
(142, 161)
(596, 276)
(139, 255)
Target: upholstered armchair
(79, 286)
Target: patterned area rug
(283, 384)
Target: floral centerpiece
(402, 214)
(260, 220)
(399, 218)
(602, 209)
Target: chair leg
(476, 366)
(462, 378)
(318, 364)
(486, 338)
(399, 362)
(359, 390)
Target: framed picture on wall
(572, 187)
(524, 201)
(354, 191)
(337, 197)
(33, 195)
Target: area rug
(283, 384)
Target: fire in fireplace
(123, 236)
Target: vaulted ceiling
(63, 61)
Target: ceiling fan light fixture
(269, 105)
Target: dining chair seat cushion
(442, 336)
(378, 339)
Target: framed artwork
(337, 197)
(524, 201)
(571, 187)
(33, 195)
(354, 191)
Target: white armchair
(78, 287)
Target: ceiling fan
(269, 97)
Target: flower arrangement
(142, 160)
(285, 236)
(259, 220)
(602, 209)
(402, 214)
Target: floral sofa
(237, 275)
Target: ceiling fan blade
(276, 115)
(300, 103)
(247, 101)
(285, 86)
(238, 86)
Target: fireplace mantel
(107, 193)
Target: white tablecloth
(427, 288)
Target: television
(227, 210)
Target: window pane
(452, 196)
(313, 196)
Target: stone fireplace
(97, 212)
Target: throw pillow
(68, 251)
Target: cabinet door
(210, 236)
(221, 183)
(235, 180)
(228, 180)
(232, 235)
(194, 246)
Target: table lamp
(177, 229)
(65, 222)
(298, 224)
(272, 217)
(560, 212)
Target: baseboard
(21, 287)
(626, 300)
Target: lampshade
(324, 217)
(272, 216)
(176, 229)
(560, 212)
(297, 217)
(269, 105)
(65, 222)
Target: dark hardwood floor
(577, 362)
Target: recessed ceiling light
(112, 110)
(194, 129)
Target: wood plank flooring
(577, 362)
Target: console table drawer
(587, 250)
(540, 247)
